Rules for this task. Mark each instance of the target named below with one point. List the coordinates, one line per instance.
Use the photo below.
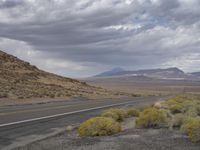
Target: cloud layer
(84, 37)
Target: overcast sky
(79, 38)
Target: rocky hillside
(19, 80)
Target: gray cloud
(6, 4)
(100, 34)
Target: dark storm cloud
(10, 3)
(127, 33)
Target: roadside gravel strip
(23, 132)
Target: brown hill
(19, 80)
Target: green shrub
(99, 126)
(176, 108)
(157, 105)
(110, 114)
(198, 110)
(142, 108)
(151, 118)
(191, 127)
(133, 112)
(177, 120)
(120, 114)
(192, 112)
(180, 104)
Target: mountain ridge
(110, 72)
(167, 73)
(196, 73)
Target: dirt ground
(129, 139)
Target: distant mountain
(20, 79)
(196, 74)
(169, 73)
(111, 72)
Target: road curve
(17, 122)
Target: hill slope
(19, 79)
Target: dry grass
(99, 126)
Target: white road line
(63, 114)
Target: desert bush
(158, 105)
(198, 110)
(3, 95)
(168, 115)
(179, 104)
(110, 114)
(191, 127)
(151, 118)
(176, 108)
(99, 126)
(51, 95)
(177, 120)
(142, 108)
(192, 112)
(133, 112)
(120, 114)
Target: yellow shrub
(158, 105)
(176, 108)
(192, 112)
(110, 114)
(151, 118)
(142, 108)
(198, 109)
(99, 126)
(191, 127)
(133, 112)
(177, 120)
(179, 104)
(120, 113)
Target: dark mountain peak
(117, 69)
(175, 69)
(196, 73)
(111, 72)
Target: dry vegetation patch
(151, 118)
(185, 115)
(191, 127)
(99, 126)
(132, 112)
(115, 113)
(179, 112)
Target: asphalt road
(17, 122)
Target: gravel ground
(130, 139)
